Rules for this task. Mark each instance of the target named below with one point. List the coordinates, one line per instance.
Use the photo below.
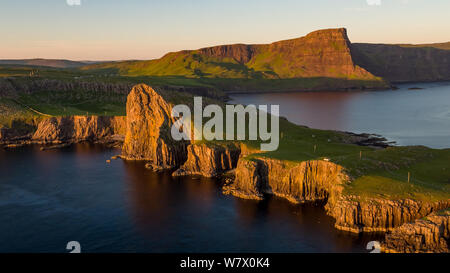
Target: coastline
(343, 90)
(315, 178)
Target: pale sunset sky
(147, 29)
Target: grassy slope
(379, 173)
(44, 72)
(78, 102)
(16, 107)
(74, 103)
(186, 64)
(15, 115)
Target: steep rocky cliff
(323, 53)
(248, 182)
(148, 136)
(238, 52)
(209, 160)
(430, 234)
(369, 215)
(320, 56)
(308, 181)
(78, 128)
(313, 181)
(403, 64)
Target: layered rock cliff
(430, 234)
(322, 181)
(238, 52)
(148, 135)
(209, 160)
(247, 183)
(308, 181)
(323, 53)
(73, 129)
(355, 214)
(78, 128)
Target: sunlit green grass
(373, 172)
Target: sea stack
(148, 136)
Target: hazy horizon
(100, 30)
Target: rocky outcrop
(239, 52)
(78, 128)
(7, 134)
(209, 160)
(431, 234)
(148, 135)
(355, 214)
(308, 181)
(248, 182)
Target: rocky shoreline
(145, 133)
(59, 132)
(430, 234)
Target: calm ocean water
(50, 198)
(409, 117)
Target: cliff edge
(148, 136)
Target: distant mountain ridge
(323, 53)
(444, 46)
(55, 63)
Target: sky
(147, 29)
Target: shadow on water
(52, 197)
(198, 215)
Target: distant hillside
(404, 63)
(323, 56)
(445, 46)
(45, 62)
